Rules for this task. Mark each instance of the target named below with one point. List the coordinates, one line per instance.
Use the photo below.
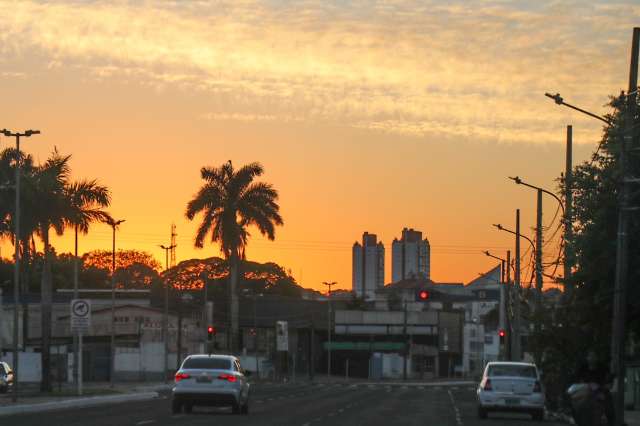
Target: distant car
(511, 386)
(211, 380)
(6, 377)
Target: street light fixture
(560, 101)
(502, 228)
(114, 225)
(16, 263)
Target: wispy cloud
(474, 69)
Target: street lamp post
(165, 316)
(503, 290)
(329, 284)
(515, 340)
(16, 264)
(538, 246)
(622, 241)
(114, 225)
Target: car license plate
(203, 379)
(512, 401)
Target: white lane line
(404, 387)
(306, 424)
(340, 410)
(455, 409)
(332, 414)
(145, 422)
(420, 387)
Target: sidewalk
(31, 400)
(632, 418)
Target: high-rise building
(410, 256)
(368, 266)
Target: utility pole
(538, 314)
(329, 284)
(165, 315)
(16, 263)
(619, 301)
(114, 225)
(312, 347)
(515, 351)
(404, 341)
(508, 318)
(568, 216)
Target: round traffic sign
(80, 308)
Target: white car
(212, 380)
(511, 386)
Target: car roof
(524, 364)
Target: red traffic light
(501, 333)
(210, 329)
(423, 295)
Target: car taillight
(228, 377)
(487, 385)
(537, 388)
(181, 376)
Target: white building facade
(367, 266)
(410, 256)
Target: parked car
(6, 377)
(511, 386)
(211, 380)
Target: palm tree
(7, 217)
(230, 201)
(86, 199)
(51, 180)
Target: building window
(488, 339)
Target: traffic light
(422, 295)
(502, 335)
(211, 331)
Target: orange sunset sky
(367, 116)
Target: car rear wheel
(176, 407)
(235, 408)
(482, 413)
(245, 408)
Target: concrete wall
(30, 366)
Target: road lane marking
(455, 409)
(145, 422)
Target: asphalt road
(300, 405)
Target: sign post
(80, 323)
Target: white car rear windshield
(512, 371)
(207, 364)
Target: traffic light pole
(404, 340)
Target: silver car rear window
(512, 371)
(207, 363)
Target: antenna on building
(173, 244)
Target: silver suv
(6, 377)
(211, 380)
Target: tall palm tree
(86, 199)
(51, 180)
(230, 201)
(28, 224)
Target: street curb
(560, 417)
(75, 403)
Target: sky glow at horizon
(367, 116)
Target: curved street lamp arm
(502, 228)
(558, 100)
(519, 181)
